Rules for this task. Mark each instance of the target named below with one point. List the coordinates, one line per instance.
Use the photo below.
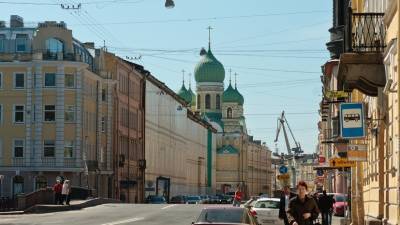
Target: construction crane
(281, 125)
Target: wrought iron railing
(367, 32)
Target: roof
(227, 149)
(215, 117)
(232, 95)
(185, 94)
(209, 69)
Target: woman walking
(66, 191)
(303, 209)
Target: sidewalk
(74, 205)
(338, 220)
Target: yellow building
(53, 116)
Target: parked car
(179, 199)
(205, 199)
(215, 199)
(267, 210)
(226, 216)
(225, 199)
(340, 204)
(193, 199)
(154, 199)
(250, 203)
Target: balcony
(361, 66)
(20, 162)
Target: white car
(267, 210)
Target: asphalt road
(112, 214)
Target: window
(19, 113)
(103, 94)
(19, 80)
(69, 81)
(218, 102)
(198, 101)
(49, 148)
(2, 42)
(21, 42)
(103, 124)
(229, 113)
(50, 80)
(68, 149)
(19, 148)
(1, 149)
(49, 113)
(54, 45)
(208, 101)
(1, 114)
(69, 115)
(1, 80)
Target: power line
(82, 3)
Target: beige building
(180, 146)
(51, 110)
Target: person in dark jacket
(325, 204)
(303, 209)
(284, 203)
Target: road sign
(283, 169)
(336, 94)
(359, 156)
(352, 120)
(341, 162)
(285, 176)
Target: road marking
(166, 207)
(124, 221)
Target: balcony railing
(366, 32)
(18, 161)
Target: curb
(50, 208)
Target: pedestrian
(66, 191)
(303, 209)
(237, 198)
(325, 204)
(57, 188)
(284, 203)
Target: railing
(49, 162)
(367, 32)
(69, 162)
(18, 161)
(8, 204)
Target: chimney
(16, 21)
(2, 24)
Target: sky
(275, 47)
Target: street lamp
(169, 4)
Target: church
(241, 162)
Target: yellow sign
(341, 162)
(285, 176)
(357, 155)
(336, 94)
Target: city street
(113, 214)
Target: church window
(198, 101)
(208, 101)
(229, 113)
(218, 102)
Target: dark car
(154, 199)
(226, 216)
(225, 199)
(179, 199)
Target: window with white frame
(49, 113)
(69, 115)
(19, 80)
(103, 124)
(19, 113)
(69, 81)
(49, 148)
(68, 149)
(19, 145)
(21, 42)
(50, 80)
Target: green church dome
(209, 69)
(232, 95)
(193, 101)
(185, 94)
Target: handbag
(317, 222)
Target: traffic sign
(352, 120)
(336, 94)
(283, 169)
(341, 162)
(285, 176)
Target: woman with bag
(303, 210)
(66, 191)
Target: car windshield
(193, 198)
(269, 204)
(340, 198)
(221, 215)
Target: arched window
(198, 101)
(54, 45)
(208, 101)
(18, 185)
(218, 102)
(229, 113)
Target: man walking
(303, 209)
(325, 204)
(57, 188)
(284, 204)
(237, 198)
